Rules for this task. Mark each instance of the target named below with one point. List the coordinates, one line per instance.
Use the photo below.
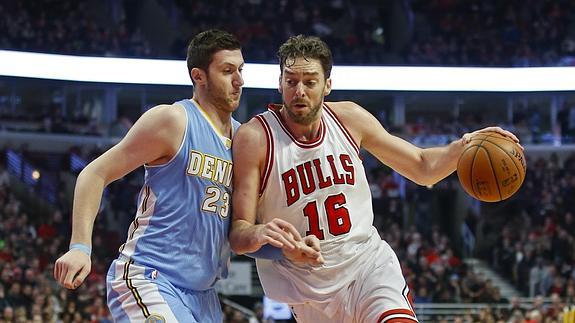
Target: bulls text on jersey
(329, 171)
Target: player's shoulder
(174, 110)
(250, 134)
(165, 113)
(165, 119)
(251, 128)
(346, 109)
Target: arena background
(465, 261)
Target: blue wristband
(82, 247)
(267, 251)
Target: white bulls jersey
(321, 188)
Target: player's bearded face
(223, 95)
(303, 117)
(224, 79)
(303, 87)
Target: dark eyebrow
(226, 64)
(304, 73)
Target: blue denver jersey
(182, 224)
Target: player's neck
(302, 132)
(219, 118)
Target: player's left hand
(467, 137)
(307, 252)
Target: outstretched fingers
(281, 234)
(289, 228)
(278, 240)
(467, 137)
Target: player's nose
(238, 80)
(299, 90)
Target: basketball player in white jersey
(299, 162)
(177, 246)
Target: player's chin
(233, 104)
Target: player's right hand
(72, 268)
(307, 251)
(278, 233)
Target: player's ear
(327, 87)
(198, 75)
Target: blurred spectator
(566, 122)
(452, 33)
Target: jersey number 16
(337, 216)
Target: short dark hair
(204, 45)
(306, 47)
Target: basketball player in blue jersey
(299, 162)
(177, 245)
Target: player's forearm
(440, 162)
(87, 198)
(243, 237)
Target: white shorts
(378, 294)
(141, 294)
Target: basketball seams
(471, 172)
(474, 162)
(493, 170)
(499, 136)
(490, 163)
(510, 156)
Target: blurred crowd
(31, 240)
(432, 266)
(516, 312)
(494, 33)
(66, 27)
(533, 245)
(536, 246)
(413, 32)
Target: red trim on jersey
(269, 153)
(408, 297)
(402, 311)
(400, 320)
(302, 144)
(274, 107)
(342, 127)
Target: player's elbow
(427, 182)
(419, 173)
(243, 237)
(234, 244)
(428, 176)
(237, 242)
(423, 180)
(429, 171)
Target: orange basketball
(492, 167)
